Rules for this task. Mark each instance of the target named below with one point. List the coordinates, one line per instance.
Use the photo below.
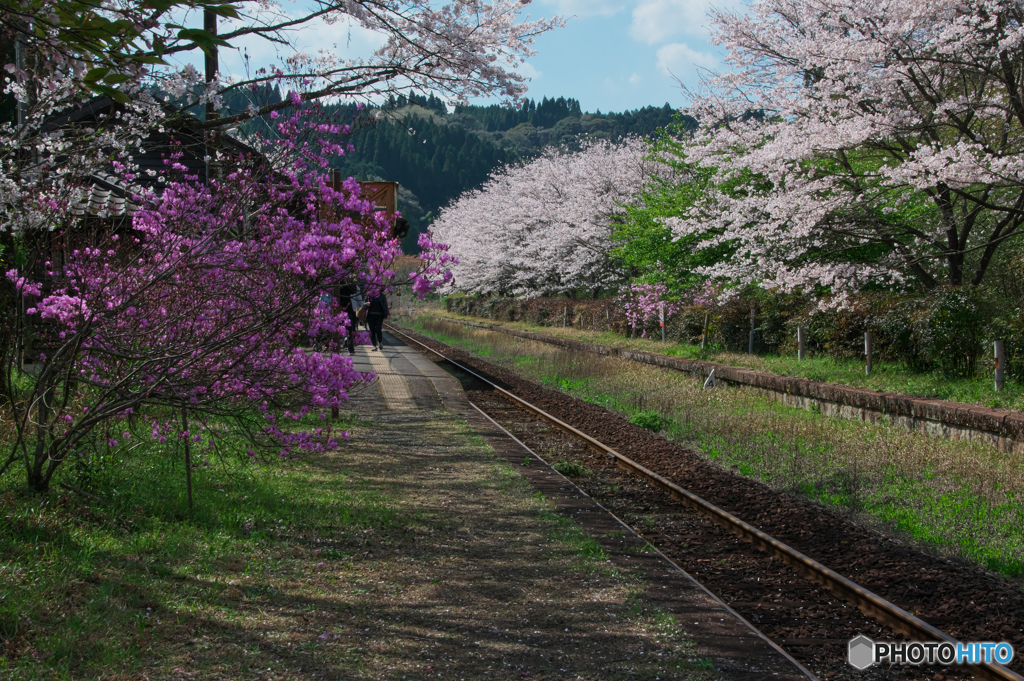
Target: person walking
(357, 302)
(375, 317)
(346, 294)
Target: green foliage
(649, 419)
(570, 469)
(548, 112)
(647, 248)
(946, 329)
(111, 43)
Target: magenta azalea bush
(202, 307)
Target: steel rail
(868, 602)
(740, 618)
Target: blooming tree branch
(861, 142)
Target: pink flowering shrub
(202, 305)
(643, 304)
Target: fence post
(565, 311)
(867, 353)
(997, 347)
(661, 320)
(750, 344)
(704, 336)
(799, 344)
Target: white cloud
(586, 8)
(634, 79)
(528, 70)
(676, 59)
(655, 21)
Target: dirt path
(468, 576)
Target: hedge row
(948, 331)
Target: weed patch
(570, 469)
(649, 419)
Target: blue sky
(622, 54)
(612, 55)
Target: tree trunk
(39, 473)
(188, 456)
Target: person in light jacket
(375, 317)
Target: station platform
(407, 381)
(406, 412)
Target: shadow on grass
(301, 567)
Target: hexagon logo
(862, 652)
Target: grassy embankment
(957, 498)
(885, 376)
(375, 561)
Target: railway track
(805, 596)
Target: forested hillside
(435, 156)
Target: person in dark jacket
(345, 301)
(375, 317)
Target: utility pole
(212, 66)
(19, 62)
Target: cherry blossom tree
(544, 227)
(462, 48)
(861, 142)
(459, 49)
(68, 50)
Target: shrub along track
(807, 620)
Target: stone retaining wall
(1001, 428)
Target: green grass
(885, 376)
(82, 583)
